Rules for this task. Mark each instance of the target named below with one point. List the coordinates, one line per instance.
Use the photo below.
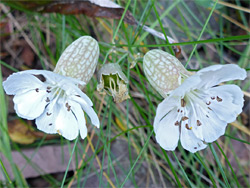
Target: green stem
(66, 172)
(219, 164)
(5, 171)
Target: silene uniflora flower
(113, 81)
(196, 109)
(54, 99)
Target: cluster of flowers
(195, 109)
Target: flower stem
(66, 172)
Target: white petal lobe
(30, 104)
(77, 110)
(167, 133)
(163, 109)
(46, 121)
(89, 110)
(227, 103)
(189, 141)
(217, 74)
(21, 83)
(66, 123)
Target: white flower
(55, 103)
(197, 112)
(55, 100)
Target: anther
(37, 90)
(208, 103)
(183, 103)
(209, 108)
(189, 128)
(48, 114)
(48, 89)
(195, 147)
(218, 99)
(178, 110)
(184, 118)
(50, 124)
(47, 99)
(176, 123)
(58, 132)
(212, 98)
(198, 123)
(68, 106)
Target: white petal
(65, 122)
(189, 140)
(74, 90)
(189, 84)
(30, 104)
(212, 127)
(19, 82)
(205, 124)
(229, 104)
(167, 133)
(193, 113)
(53, 77)
(77, 110)
(46, 122)
(88, 109)
(164, 108)
(216, 74)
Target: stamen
(68, 106)
(189, 128)
(218, 99)
(37, 90)
(50, 124)
(177, 123)
(48, 114)
(209, 108)
(198, 123)
(212, 98)
(47, 99)
(183, 103)
(178, 110)
(195, 147)
(208, 103)
(112, 83)
(184, 118)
